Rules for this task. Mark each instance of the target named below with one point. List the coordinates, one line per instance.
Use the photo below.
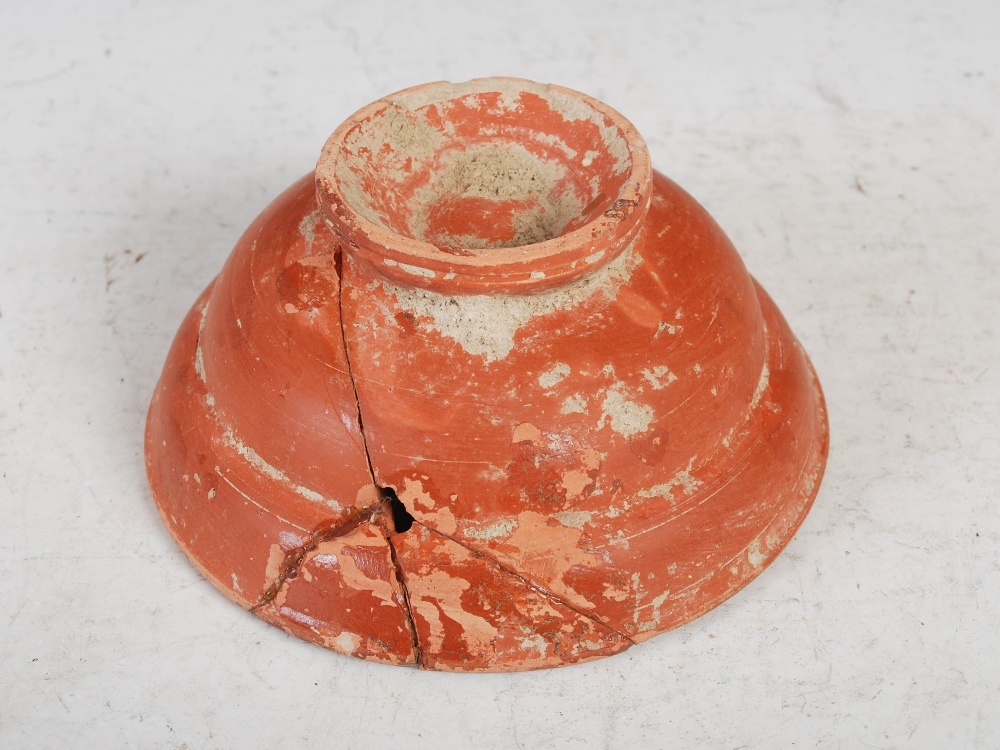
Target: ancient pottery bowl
(485, 392)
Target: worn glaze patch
(487, 325)
(345, 594)
(472, 615)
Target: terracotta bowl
(484, 393)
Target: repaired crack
(396, 519)
(292, 562)
(391, 530)
(530, 583)
(339, 265)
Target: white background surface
(850, 151)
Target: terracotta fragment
(341, 590)
(485, 315)
(472, 614)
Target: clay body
(486, 304)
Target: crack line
(401, 577)
(531, 584)
(339, 265)
(323, 533)
(384, 505)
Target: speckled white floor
(850, 151)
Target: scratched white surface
(849, 149)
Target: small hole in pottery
(401, 518)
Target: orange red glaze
(600, 435)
